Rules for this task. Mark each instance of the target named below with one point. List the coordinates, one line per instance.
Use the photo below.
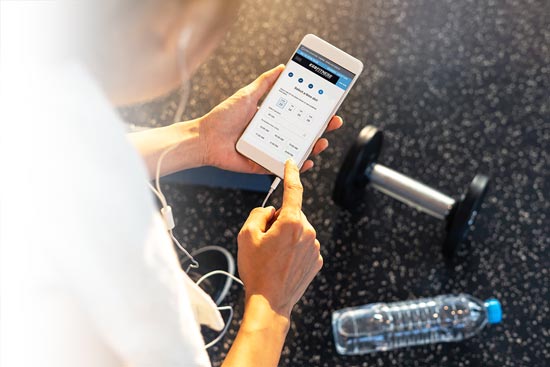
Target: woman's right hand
(278, 258)
(278, 251)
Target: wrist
(260, 316)
(204, 144)
(189, 133)
(261, 336)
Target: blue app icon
(321, 91)
(310, 86)
(291, 74)
(300, 80)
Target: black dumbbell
(360, 169)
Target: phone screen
(299, 104)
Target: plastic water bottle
(384, 326)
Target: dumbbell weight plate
(463, 217)
(352, 180)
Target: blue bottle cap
(494, 311)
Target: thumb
(264, 82)
(259, 218)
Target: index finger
(293, 190)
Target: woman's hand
(279, 254)
(221, 128)
(278, 257)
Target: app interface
(299, 104)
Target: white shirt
(89, 276)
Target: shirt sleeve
(101, 235)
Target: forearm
(261, 336)
(188, 152)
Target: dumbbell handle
(409, 191)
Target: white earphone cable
(272, 188)
(166, 212)
(227, 324)
(208, 275)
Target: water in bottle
(384, 326)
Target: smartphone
(297, 110)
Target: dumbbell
(360, 169)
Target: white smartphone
(297, 110)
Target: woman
(102, 284)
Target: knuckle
(241, 235)
(292, 225)
(309, 234)
(263, 77)
(290, 219)
(241, 94)
(317, 246)
(245, 93)
(295, 228)
(320, 262)
(244, 233)
(294, 186)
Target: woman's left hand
(221, 128)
